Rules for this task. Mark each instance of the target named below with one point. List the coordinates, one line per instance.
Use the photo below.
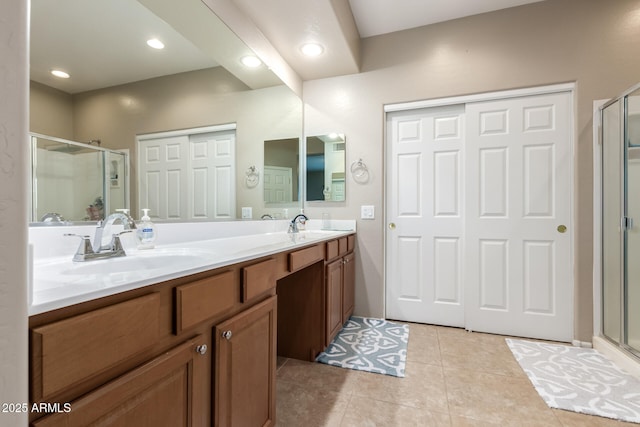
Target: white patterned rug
(367, 344)
(579, 380)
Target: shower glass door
(612, 275)
(632, 232)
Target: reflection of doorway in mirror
(278, 184)
(325, 167)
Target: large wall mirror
(325, 168)
(120, 89)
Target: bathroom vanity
(196, 348)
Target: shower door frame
(599, 282)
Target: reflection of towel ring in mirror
(359, 171)
(252, 177)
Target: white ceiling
(102, 43)
(375, 17)
(340, 24)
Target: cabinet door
(334, 299)
(170, 390)
(348, 286)
(245, 367)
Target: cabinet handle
(227, 335)
(201, 349)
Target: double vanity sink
(188, 332)
(58, 281)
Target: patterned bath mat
(372, 345)
(579, 380)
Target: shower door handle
(626, 223)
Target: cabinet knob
(227, 335)
(201, 349)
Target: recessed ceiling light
(155, 43)
(251, 61)
(60, 73)
(312, 49)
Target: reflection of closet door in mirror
(188, 175)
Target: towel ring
(252, 177)
(360, 171)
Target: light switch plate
(247, 213)
(367, 212)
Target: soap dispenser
(146, 231)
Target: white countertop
(59, 282)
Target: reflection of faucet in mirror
(52, 217)
(104, 229)
(266, 216)
(293, 225)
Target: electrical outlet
(247, 213)
(367, 212)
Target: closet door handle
(392, 226)
(562, 228)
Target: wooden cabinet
(245, 364)
(149, 357)
(348, 286)
(166, 391)
(68, 352)
(340, 286)
(194, 351)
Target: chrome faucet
(293, 225)
(88, 252)
(104, 229)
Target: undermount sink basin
(132, 263)
(135, 262)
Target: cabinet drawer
(342, 246)
(74, 349)
(305, 257)
(203, 299)
(166, 391)
(351, 243)
(332, 250)
(258, 278)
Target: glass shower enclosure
(620, 136)
(74, 181)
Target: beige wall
(591, 42)
(14, 120)
(51, 111)
(200, 98)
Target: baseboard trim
(582, 344)
(619, 357)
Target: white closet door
(212, 176)
(163, 177)
(518, 273)
(424, 211)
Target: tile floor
(453, 378)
